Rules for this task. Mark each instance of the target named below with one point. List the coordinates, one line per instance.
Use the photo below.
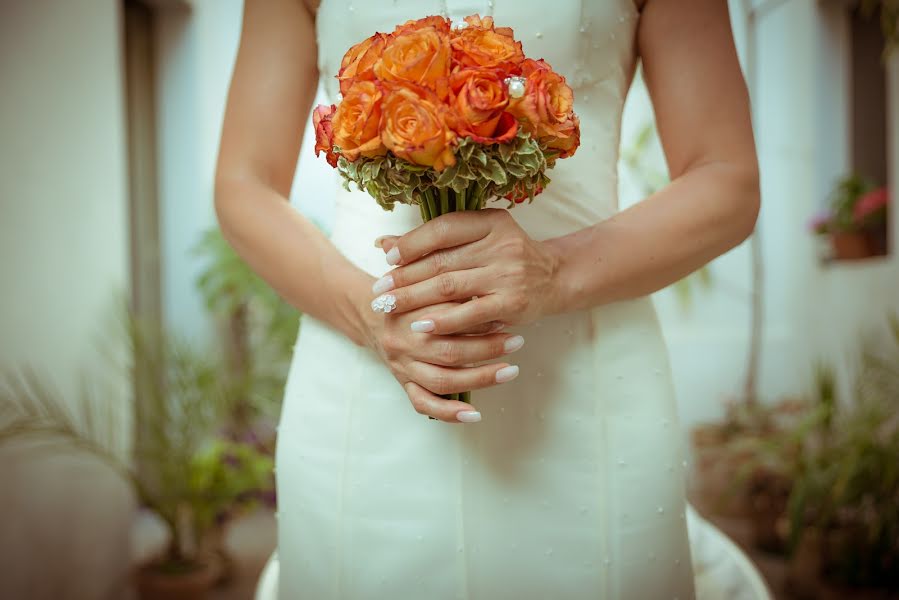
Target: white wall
(812, 310)
(63, 208)
(196, 44)
(63, 270)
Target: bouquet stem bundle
(440, 201)
(436, 202)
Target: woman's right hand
(427, 365)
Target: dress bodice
(590, 42)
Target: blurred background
(142, 363)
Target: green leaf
(496, 172)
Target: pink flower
(869, 206)
(819, 223)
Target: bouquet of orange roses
(446, 118)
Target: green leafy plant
(258, 329)
(847, 487)
(887, 12)
(840, 214)
(182, 470)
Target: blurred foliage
(32, 407)
(204, 415)
(887, 12)
(847, 471)
(182, 469)
(651, 179)
(843, 198)
(257, 327)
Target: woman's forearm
(698, 216)
(292, 255)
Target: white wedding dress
(572, 485)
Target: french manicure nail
(507, 374)
(382, 285)
(468, 416)
(393, 257)
(513, 343)
(423, 326)
(379, 241)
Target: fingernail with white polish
(507, 374)
(383, 284)
(384, 303)
(393, 256)
(423, 326)
(468, 416)
(513, 343)
(379, 241)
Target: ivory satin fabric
(572, 485)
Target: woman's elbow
(746, 202)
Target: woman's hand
(427, 365)
(457, 256)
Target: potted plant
(855, 222)
(183, 470)
(258, 330)
(764, 476)
(843, 517)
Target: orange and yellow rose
(440, 24)
(546, 109)
(567, 137)
(322, 118)
(418, 54)
(356, 121)
(414, 91)
(414, 126)
(478, 106)
(358, 62)
(480, 44)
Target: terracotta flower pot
(877, 241)
(154, 583)
(849, 245)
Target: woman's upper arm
(272, 89)
(697, 89)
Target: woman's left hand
(459, 255)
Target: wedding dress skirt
(572, 485)
(720, 569)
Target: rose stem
(444, 201)
(432, 204)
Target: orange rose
(440, 24)
(567, 139)
(519, 194)
(546, 108)
(420, 56)
(357, 63)
(479, 99)
(482, 45)
(413, 127)
(324, 132)
(357, 119)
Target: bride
(564, 477)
